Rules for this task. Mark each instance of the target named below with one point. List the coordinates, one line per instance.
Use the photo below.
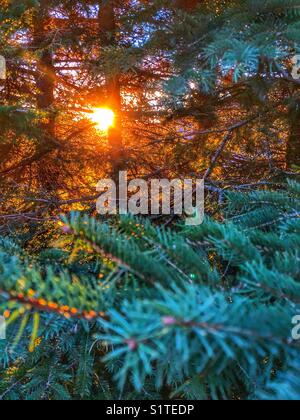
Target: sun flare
(103, 118)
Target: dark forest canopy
(102, 307)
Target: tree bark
(45, 81)
(46, 76)
(108, 38)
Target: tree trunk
(188, 5)
(108, 29)
(45, 84)
(293, 146)
(45, 79)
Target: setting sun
(103, 118)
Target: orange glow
(103, 118)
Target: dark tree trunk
(45, 85)
(108, 29)
(293, 146)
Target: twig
(218, 153)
